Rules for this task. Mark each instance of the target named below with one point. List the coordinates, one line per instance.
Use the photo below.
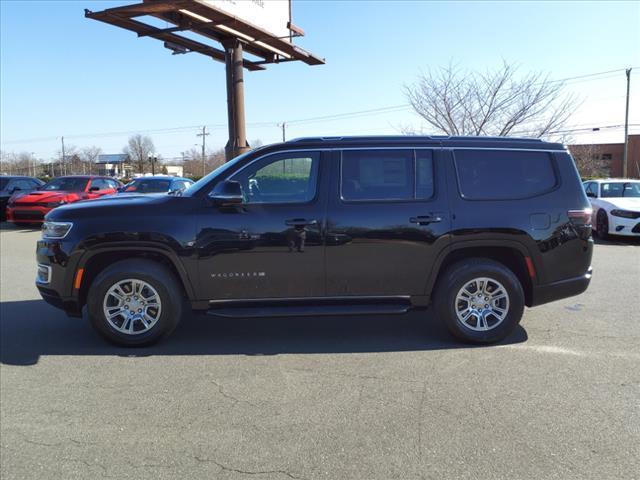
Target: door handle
(300, 222)
(425, 219)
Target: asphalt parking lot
(324, 398)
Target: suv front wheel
(479, 300)
(135, 302)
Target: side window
(387, 174)
(22, 184)
(424, 174)
(377, 174)
(503, 174)
(112, 184)
(280, 178)
(99, 183)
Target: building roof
(113, 158)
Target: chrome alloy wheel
(132, 306)
(482, 304)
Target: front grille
(636, 229)
(27, 215)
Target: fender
(145, 247)
(464, 244)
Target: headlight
(55, 204)
(56, 230)
(625, 214)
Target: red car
(32, 207)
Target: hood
(624, 203)
(46, 197)
(150, 203)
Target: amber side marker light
(78, 281)
(530, 268)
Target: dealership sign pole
(262, 29)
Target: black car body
(335, 225)
(15, 184)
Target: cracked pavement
(379, 397)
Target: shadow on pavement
(619, 240)
(30, 329)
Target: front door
(272, 245)
(388, 217)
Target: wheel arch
(511, 254)
(95, 261)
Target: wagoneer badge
(238, 274)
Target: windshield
(67, 184)
(148, 186)
(196, 187)
(620, 189)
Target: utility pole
(204, 161)
(63, 167)
(284, 131)
(626, 127)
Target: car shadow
(619, 240)
(31, 329)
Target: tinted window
(23, 184)
(503, 174)
(67, 184)
(424, 174)
(3, 183)
(377, 174)
(290, 178)
(100, 184)
(112, 184)
(387, 174)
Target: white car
(616, 206)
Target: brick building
(611, 155)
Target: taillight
(581, 217)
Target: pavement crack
(227, 468)
(231, 397)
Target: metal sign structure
(260, 28)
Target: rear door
(388, 218)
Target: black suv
(478, 227)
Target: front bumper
(57, 289)
(624, 226)
(569, 287)
(26, 213)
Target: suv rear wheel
(479, 300)
(135, 302)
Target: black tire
(154, 274)
(602, 225)
(459, 275)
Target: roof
(432, 140)
(161, 177)
(603, 180)
(113, 158)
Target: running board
(298, 310)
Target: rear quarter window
(504, 174)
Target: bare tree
(499, 103)
(589, 160)
(139, 148)
(90, 156)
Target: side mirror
(15, 189)
(591, 194)
(227, 193)
(94, 189)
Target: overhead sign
(272, 16)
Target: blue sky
(62, 74)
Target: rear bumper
(558, 290)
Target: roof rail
(410, 137)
